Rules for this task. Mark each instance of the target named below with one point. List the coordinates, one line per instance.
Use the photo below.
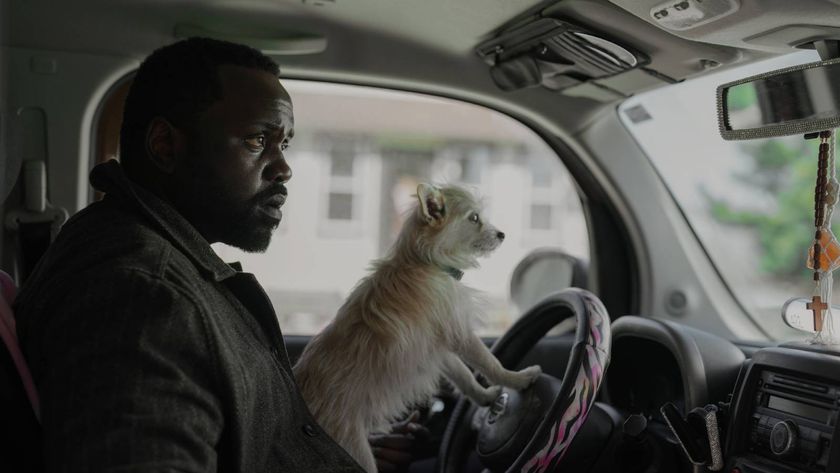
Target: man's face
(232, 173)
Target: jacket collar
(109, 178)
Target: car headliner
(427, 45)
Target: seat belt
(37, 223)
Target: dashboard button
(784, 438)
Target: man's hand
(394, 451)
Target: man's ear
(163, 144)
(431, 203)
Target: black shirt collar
(109, 178)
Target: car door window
(357, 157)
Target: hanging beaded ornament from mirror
(824, 255)
(814, 314)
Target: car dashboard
(644, 376)
(777, 411)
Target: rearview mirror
(792, 101)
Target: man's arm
(128, 379)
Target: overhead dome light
(682, 15)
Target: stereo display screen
(797, 408)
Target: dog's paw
(487, 396)
(526, 377)
(532, 372)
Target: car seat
(20, 431)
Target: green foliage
(741, 96)
(785, 171)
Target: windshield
(749, 202)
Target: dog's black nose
(500, 235)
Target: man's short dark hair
(179, 82)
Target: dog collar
(455, 273)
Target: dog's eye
(474, 218)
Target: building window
(342, 195)
(541, 217)
(551, 198)
(541, 177)
(342, 183)
(341, 162)
(474, 160)
(340, 206)
(462, 162)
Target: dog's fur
(404, 326)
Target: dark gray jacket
(153, 355)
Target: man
(150, 353)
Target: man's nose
(284, 171)
(279, 170)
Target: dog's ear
(431, 203)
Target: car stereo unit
(785, 412)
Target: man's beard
(243, 226)
(248, 230)
(221, 219)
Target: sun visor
(555, 54)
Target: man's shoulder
(109, 234)
(105, 240)
(121, 265)
(112, 222)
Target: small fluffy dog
(405, 325)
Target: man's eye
(474, 218)
(255, 142)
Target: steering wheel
(531, 430)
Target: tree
(784, 170)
